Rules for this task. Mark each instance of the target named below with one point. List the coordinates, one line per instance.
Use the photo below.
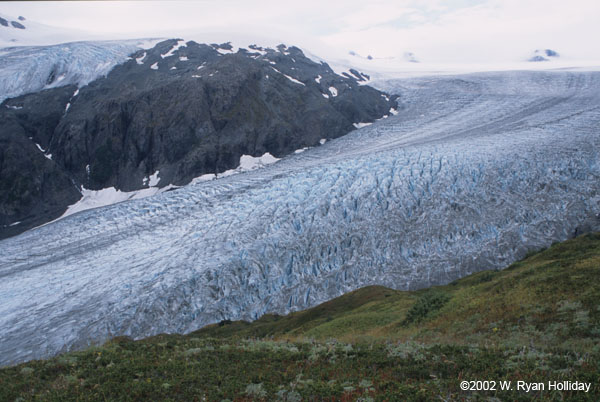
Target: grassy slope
(537, 320)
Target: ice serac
(473, 172)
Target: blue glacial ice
(26, 69)
(473, 172)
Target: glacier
(27, 69)
(471, 173)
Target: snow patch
(154, 179)
(108, 196)
(224, 51)
(140, 60)
(322, 141)
(247, 163)
(333, 91)
(154, 66)
(318, 79)
(204, 177)
(361, 125)
(289, 78)
(48, 156)
(257, 49)
(183, 58)
(14, 107)
(325, 96)
(75, 93)
(180, 43)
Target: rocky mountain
(177, 111)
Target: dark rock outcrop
(17, 25)
(183, 111)
(33, 187)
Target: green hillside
(536, 321)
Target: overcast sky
(435, 30)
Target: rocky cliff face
(180, 109)
(33, 187)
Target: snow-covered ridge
(475, 171)
(30, 69)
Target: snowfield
(470, 174)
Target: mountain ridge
(181, 109)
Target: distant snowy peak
(544, 55)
